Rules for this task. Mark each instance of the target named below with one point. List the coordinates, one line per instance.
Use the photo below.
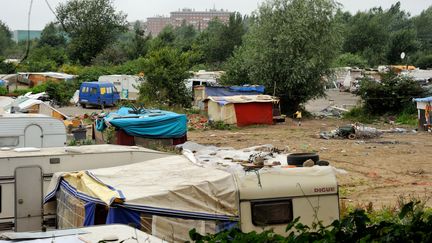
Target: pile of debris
(352, 131)
(331, 111)
(197, 122)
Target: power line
(28, 32)
(52, 10)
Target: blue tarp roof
(427, 99)
(233, 90)
(149, 123)
(2, 82)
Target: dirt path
(377, 173)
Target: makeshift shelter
(201, 93)
(145, 123)
(424, 107)
(192, 197)
(241, 110)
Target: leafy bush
(220, 125)
(424, 62)
(412, 224)
(3, 90)
(350, 60)
(359, 114)
(392, 95)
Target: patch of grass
(359, 114)
(74, 142)
(220, 125)
(408, 117)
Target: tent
(203, 92)
(138, 194)
(146, 123)
(424, 107)
(241, 110)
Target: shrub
(424, 62)
(3, 90)
(359, 114)
(412, 223)
(392, 95)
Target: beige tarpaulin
(172, 183)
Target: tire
(83, 105)
(323, 163)
(297, 159)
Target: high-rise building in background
(198, 19)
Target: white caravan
(31, 130)
(24, 177)
(126, 85)
(101, 233)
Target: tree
(423, 24)
(185, 36)
(5, 38)
(219, 40)
(6, 67)
(52, 36)
(350, 60)
(289, 48)
(139, 41)
(165, 71)
(392, 95)
(92, 25)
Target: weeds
(220, 125)
(359, 114)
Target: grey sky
(14, 12)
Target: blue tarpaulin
(148, 123)
(119, 215)
(252, 88)
(2, 82)
(89, 208)
(234, 90)
(427, 99)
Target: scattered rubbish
(353, 131)
(197, 121)
(331, 111)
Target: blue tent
(147, 123)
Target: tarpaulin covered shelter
(192, 197)
(203, 92)
(241, 110)
(146, 123)
(424, 107)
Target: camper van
(210, 197)
(98, 94)
(126, 85)
(25, 176)
(31, 130)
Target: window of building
(272, 212)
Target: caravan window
(272, 212)
(9, 141)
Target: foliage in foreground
(413, 224)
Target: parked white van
(31, 130)
(126, 85)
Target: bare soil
(377, 173)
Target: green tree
(290, 46)
(392, 95)
(140, 42)
(52, 36)
(350, 60)
(5, 67)
(219, 40)
(5, 38)
(185, 36)
(165, 71)
(423, 24)
(92, 25)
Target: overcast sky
(14, 12)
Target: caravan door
(33, 136)
(28, 198)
